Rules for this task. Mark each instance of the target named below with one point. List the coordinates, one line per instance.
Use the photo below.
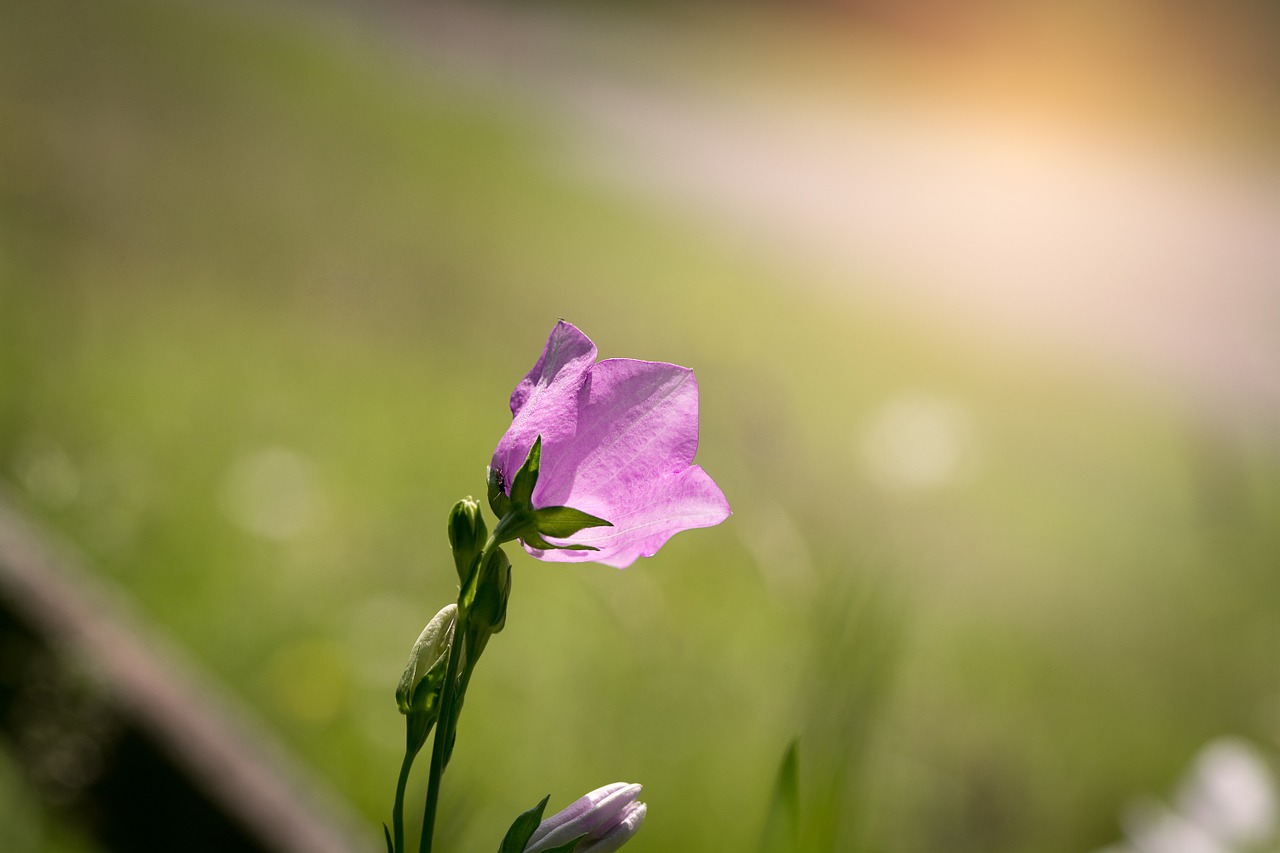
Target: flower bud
(606, 819)
(489, 609)
(467, 533)
(428, 654)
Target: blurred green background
(267, 277)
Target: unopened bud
(428, 654)
(467, 534)
(489, 610)
(605, 819)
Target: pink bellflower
(605, 819)
(618, 439)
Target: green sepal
(568, 846)
(391, 848)
(467, 534)
(564, 521)
(533, 540)
(498, 500)
(527, 477)
(522, 828)
(519, 520)
(518, 523)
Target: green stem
(444, 731)
(451, 694)
(397, 813)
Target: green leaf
(568, 846)
(391, 848)
(527, 477)
(782, 823)
(564, 521)
(522, 828)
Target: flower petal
(618, 442)
(636, 420)
(568, 354)
(620, 834)
(594, 814)
(630, 463)
(545, 402)
(688, 500)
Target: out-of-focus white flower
(1225, 804)
(1231, 793)
(1153, 828)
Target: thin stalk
(450, 695)
(444, 731)
(397, 813)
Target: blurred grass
(226, 229)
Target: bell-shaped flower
(605, 819)
(618, 439)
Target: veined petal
(644, 519)
(567, 355)
(618, 442)
(545, 402)
(637, 421)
